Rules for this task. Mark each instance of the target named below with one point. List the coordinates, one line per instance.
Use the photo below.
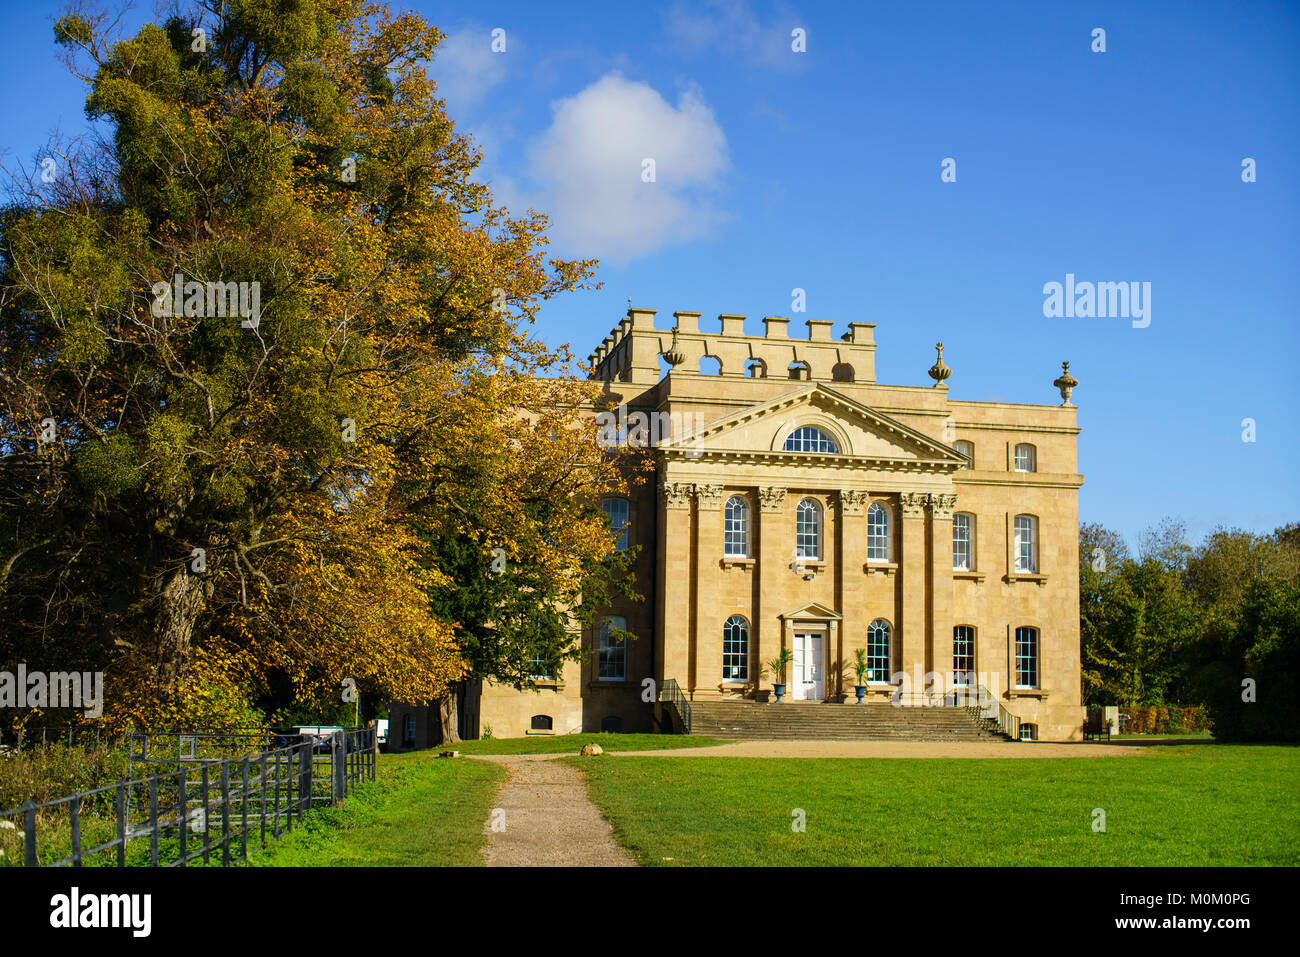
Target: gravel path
(894, 749)
(548, 818)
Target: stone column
(834, 641)
(765, 636)
(913, 566)
(939, 638)
(673, 573)
(706, 635)
(850, 595)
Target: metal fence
(40, 737)
(190, 803)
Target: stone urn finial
(1066, 383)
(673, 355)
(939, 371)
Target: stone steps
(846, 722)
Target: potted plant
(860, 672)
(777, 666)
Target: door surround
(815, 618)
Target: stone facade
(733, 402)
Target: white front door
(807, 681)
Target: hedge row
(1175, 720)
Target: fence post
(121, 823)
(207, 843)
(304, 779)
(153, 821)
(225, 813)
(29, 832)
(243, 815)
(278, 765)
(339, 766)
(74, 813)
(261, 797)
(183, 814)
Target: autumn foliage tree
(197, 499)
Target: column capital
(675, 494)
(853, 501)
(771, 499)
(942, 505)
(708, 496)
(913, 504)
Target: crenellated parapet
(630, 353)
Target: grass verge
(421, 812)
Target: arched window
(542, 722)
(735, 534)
(963, 533)
(617, 511)
(842, 372)
(877, 532)
(808, 438)
(967, 449)
(1026, 657)
(800, 370)
(735, 649)
(808, 529)
(1026, 544)
(756, 369)
(1026, 458)
(613, 650)
(963, 655)
(879, 651)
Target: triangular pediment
(865, 436)
(813, 611)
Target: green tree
(1102, 553)
(1136, 617)
(196, 492)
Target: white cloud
(588, 165)
(732, 26)
(465, 68)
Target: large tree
(1136, 617)
(1246, 661)
(194, 499)
(527, 551)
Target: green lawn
(561, 743)
(1172, 805)
(422, 811)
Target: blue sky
(820, 170)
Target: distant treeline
(1216, 625)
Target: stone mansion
(812, 508)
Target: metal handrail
(1008, 723)
(671, 693)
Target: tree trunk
(449, 714)
(181, 602)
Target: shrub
(56, 770)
